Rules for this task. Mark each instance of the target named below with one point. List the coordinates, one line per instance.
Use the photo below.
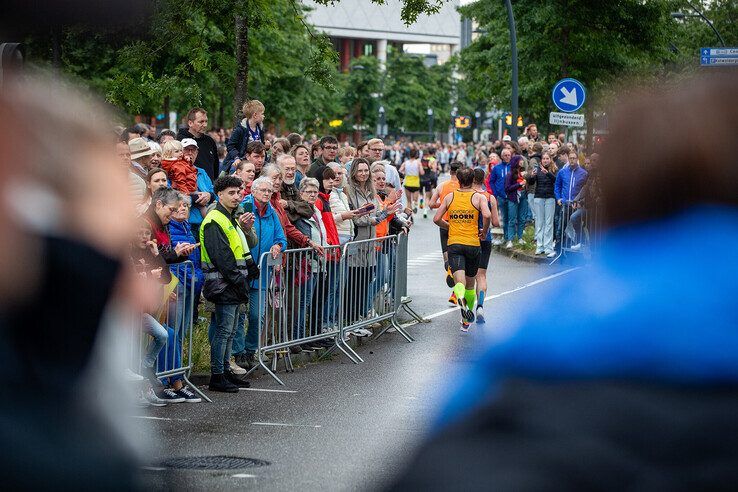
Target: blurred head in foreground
(66, 203)
(630, 379)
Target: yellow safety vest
(236, 241)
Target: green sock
(470, 296)
(459, 290)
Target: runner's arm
(495, 216)
(434, 201)
(438, 219)
(484, 209)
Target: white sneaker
(496, 242)
(508, 245)
(132, 376)
(362, 332)
(576, 247)
(235, 368)
(521, 241)
(539, 252)
(391, 330)
(551, 254)
(154, 400)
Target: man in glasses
(329, 151)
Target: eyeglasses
(330, 147)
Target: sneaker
(237, 381)
(449, 278)
(170, 396)
(154, 400)
(241, 360)
(452, 300)
(576, 247)
(295, 349)
(132, 376)
(551, 254)
(521, 241)
(189, 396)
(508, 245)
(466, 313)
(415, 210)
(235, 368)
(391, 330)
(422, 203)
(464, 327)
(496, 242)
(219, 383)
(480, 315)
(362, 332)
(539, 252)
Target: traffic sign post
(568, 95)
(718, 57)
(566, 119)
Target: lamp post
(514, 55)
(682, 15)
(381, 130)
(430, 124)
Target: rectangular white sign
(566, 119)
(721, 61)
(719, 52)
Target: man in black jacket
(228, 267)
(207, 155)
(329, 150)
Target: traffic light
(520, 121)
(462, 122)
(508, 119)
(11, 58)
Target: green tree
(363, 83)
(597, 43)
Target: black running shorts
(412, 189)
(444, 240)
(463, 257)
(486, 247)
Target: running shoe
(466, 313)
(425, 213)
(464, 327)
(449, 278)
(422, 203)
(189, 396)
(480, 315)
(452, 299)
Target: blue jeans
(226, 318)
(170, 357)
(159, 338)
(330, 305)
(502, 212)
(515, 220)
(305, 291)
(246, 340)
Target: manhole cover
(212, 462)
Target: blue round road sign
(568, 95)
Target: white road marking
(153, 468)
(149, 417)
(279, 424)
(266, 390)
(243, 475)
(495, 296)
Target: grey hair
(306, 182)
(377, 166)
(167, 196)
(185, 198)
(269, 170)
(283, 157)
(335, 165)
(261, 180)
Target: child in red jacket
(181, 172)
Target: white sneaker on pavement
(235, 368)
(576, 247)
(508, 245)
(521, 241)
(551, 254)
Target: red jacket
(182, 175)
(323, 204)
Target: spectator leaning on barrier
(248, 130)
(207, 156)
(228, 269)
(271, 239)
(543, 178)
(342, 214)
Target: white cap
(506, 138)
(188, 142)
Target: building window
(368, 49)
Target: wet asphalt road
(337, 425)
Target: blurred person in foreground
(632, 383)
(61, 290)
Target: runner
(464, 208)
(446, 188)
(429, 179)
(412, 170)
(486, 243)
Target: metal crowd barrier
(578, 229)
(306, 298)
(176, 317)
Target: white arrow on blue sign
(568, 95)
